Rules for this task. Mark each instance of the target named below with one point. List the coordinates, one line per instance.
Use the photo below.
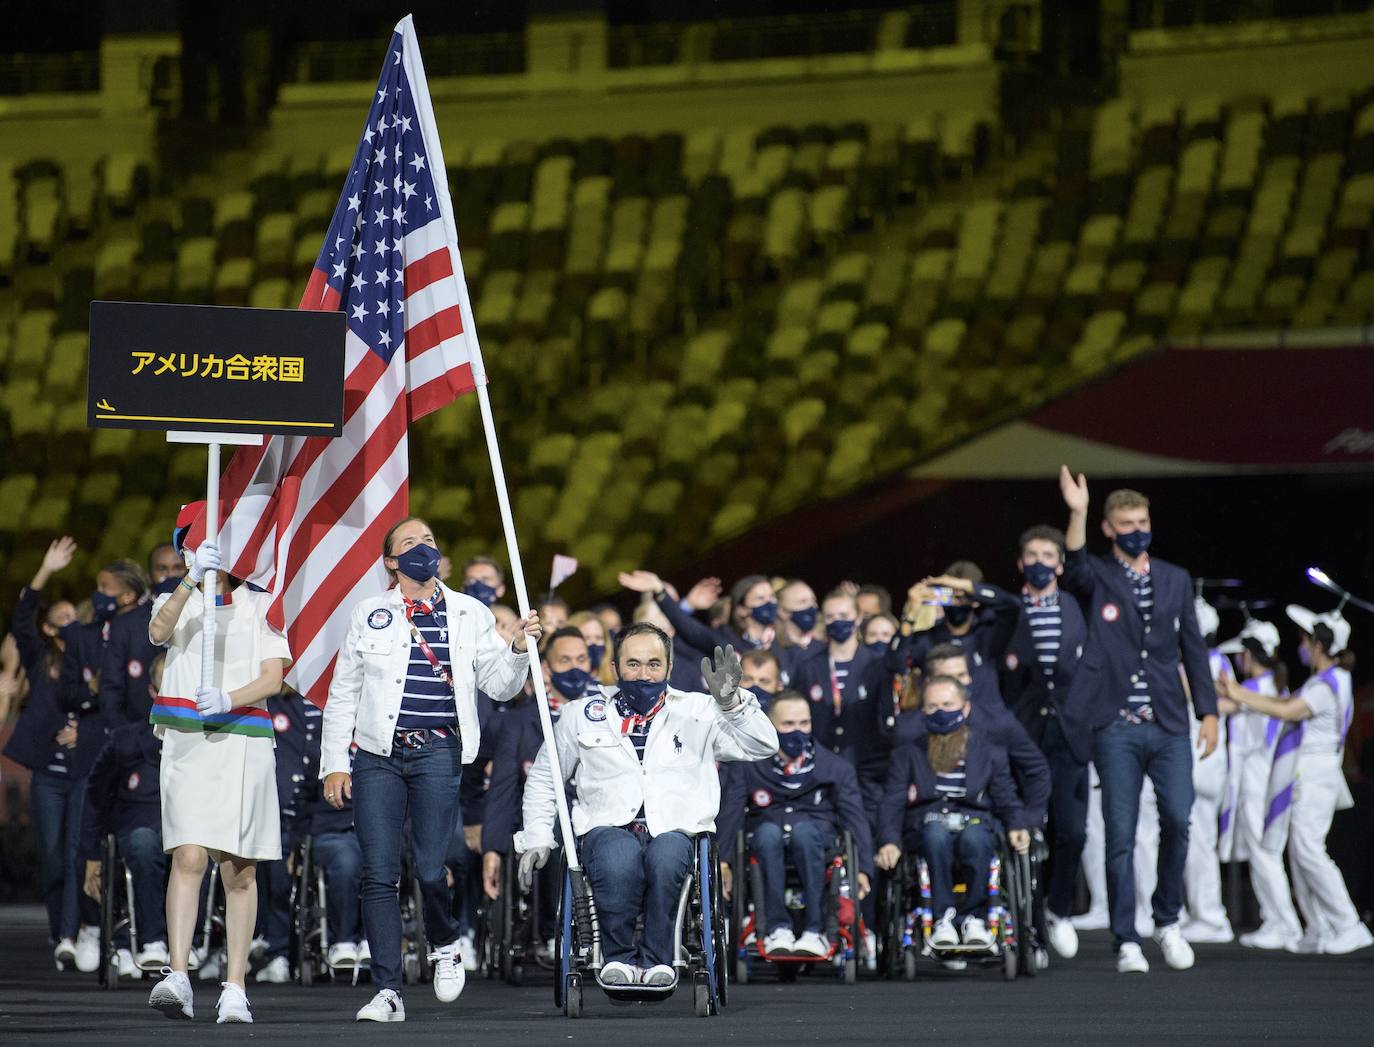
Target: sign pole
(207, 655)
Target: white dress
(218, 778)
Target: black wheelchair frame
(508, 931)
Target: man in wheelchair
(643, 758)
(944, 794)
(795, 804)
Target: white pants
(1267, 875)
(1094, 862)
(1202, 871)
(1317, 882)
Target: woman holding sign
(218, 777)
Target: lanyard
(414, 607)
(836, 691)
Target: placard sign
(215, 369)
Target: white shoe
(1130, 960)
(64, 954)
(1270, 936)
(1042, 959)
(152, 956)
(87, 949)
(172, 996)
(617, 973)
(955, 965)
(1178, 954)
(257, 949)
(364, 954)
(386, 1006)
(943, 935)
(232, 1006)
(124, 961)
(1063, 937)
(660, 976)
(467, 949)
(1355, 937)
(1092, 920)
(277, 971)
(449, 976)
(1309, 944)
(342, 954)
(870, 951)
(976, 932)
(1201, 933)
(812, 943)
(781, 942)
(196, 957)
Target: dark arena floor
(1232, 996)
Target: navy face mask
(877, 647)
(419, 562)
(943, 721)
(571, 683)
(840, 630)
(478, 590)
(765, 613)
(805, 619)
(794, 743)
(641, 695)
(763, 696)
(956, 614)
(1038, 575)
(1133, 543)
(596, 651)
(105, 607)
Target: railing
(24, 74)
(1177, 14)
(483, 54)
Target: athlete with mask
(484, 580)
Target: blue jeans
(341, 859)
(633, 873)
(1068, 817)
(1124, 755)
(147, 862)
(274, 903)
(55, 805)
(971, 849)
(808, 845)
(424, 783)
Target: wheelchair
(701, 953)
(508, 931)
(842, 917)
(1011, 886)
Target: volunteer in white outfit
(1321, 711)
(1253, 739)
(405, 691)
(643, 757)
(218, 773)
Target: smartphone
(944, 596)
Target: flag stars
(398, 215)
(354, 202)
(357, 282)
(396, 184)
(380, 248)
(408, 189)
(367, 135)
(381, 276)
(398, 152)
(429, 202)
(378, 218)
(405, 124)
(360, 311)
(339, 270)
(378, 186)
(378, 156)
(381, 95)
(398, 277)
(418, 162)
(384, 308)
(357, 249)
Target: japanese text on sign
(236, 368)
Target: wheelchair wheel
(739, 909)
(742, 970)
(573, 996)
(909, 964)
(851, 857)
(851, 971)
(562, 936)
(701, 996)
(424, 972)
(107, 973)
(717, 930)
(304, 908)
(1009, 962)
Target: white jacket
(677, 785)
(365, 695)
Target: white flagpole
(207, 628)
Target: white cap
(1208, 621)
(1309, 620)
(1266, 634)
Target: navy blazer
(753, 793)
(1119, 645)
(859, 733)
(122, 791)
(517, 745)
(694, 633)
(124, 669)
(911, 788)
(41, 718)
(296, 722)
(81, 664)
(1027, 691)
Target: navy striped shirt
(427, 701)
(952, 785)
(1047, 628)
(1143, 589)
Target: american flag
(305, 517)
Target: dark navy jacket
(81, 664)
(124, 678)
(1119, 645)
(296, 722)
(911, 789)
(990, 622)
(754, 793)
(122, 792)
(1027, 691)
(42, 717)
(705, 639)
(858, 733)
(517, 744)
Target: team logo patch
(379, 619)
(595, 710)
(134, 779)
(281, 723)
(134, 669)
(1110, 612)
(1012, 661)
(863, 692)
(816, 693)
(763, 798)
(911, 794)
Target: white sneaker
(172, 996)
(955, 965)
(449, 976)
(277, 971)
(1309, 944)
(1130, 960)
(152, 956)
(196, 957)
(870, 951)
(364, 954)
(212, 968)
(659, 976)
(87, 949)
(1200, 933)
(467, 949)
(617, 973)
(1355, 937)
(342, 954)
(386, 1006)
(1270, 936)
(64, 954)
(780, 942)
(1092, 920)
(232, 1006)
(1042, 959)
(1063, 937)
(976, 932)
(124, 962)
(257, 949)
(943, 935)
(812, 943)
(1178, 954)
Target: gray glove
(534, 858)
(723, 680)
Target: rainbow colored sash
(182, 714)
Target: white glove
(212, 700)
(207, 559)
(534, 858)
(723, 680)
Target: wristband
(183, 584)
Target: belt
(422, 737)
